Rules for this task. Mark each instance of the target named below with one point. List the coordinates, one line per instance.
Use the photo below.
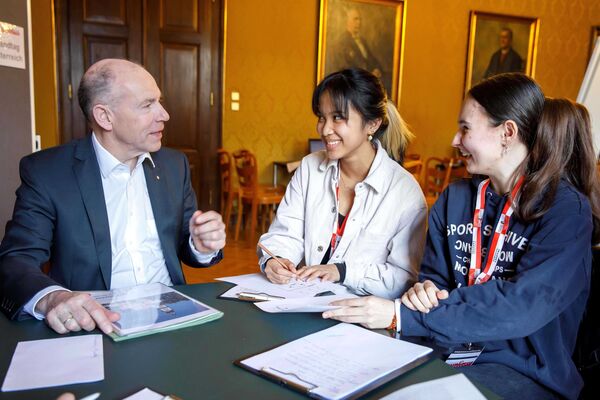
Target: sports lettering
(466, 229)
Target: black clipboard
(308, 388)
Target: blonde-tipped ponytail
(397, 136)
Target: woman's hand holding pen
(280, 270)
(327, 272)
(423, 296)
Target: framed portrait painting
(500, 43)
(362, 33)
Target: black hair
(365, 93)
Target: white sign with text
(12, 45)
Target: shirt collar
(107, 162)
(374, 179)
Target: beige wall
(435, 58)
(271, 57)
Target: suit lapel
(158, 191)
(89, 180)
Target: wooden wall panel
(105, 11)
(179, 15)
(95, 49)
(180, 91)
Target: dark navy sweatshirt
(528, 313)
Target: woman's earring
(504, 149)
(370, 137)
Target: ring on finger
(68, 319)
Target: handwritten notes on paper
(55, 362)
(337, 361)
(257, 283)
(306, 304)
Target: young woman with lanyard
(351, 213)
(506, 270)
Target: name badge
(464, 356)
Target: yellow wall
(435, 58)
(271, 57)
(270, 60)
(44, 77)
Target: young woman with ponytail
(508, 258)
(351, 213)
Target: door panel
(179, 15)
(105, 11)
(180, 47)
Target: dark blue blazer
(60, 216)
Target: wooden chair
(252, 192)
(439, 173)
(458, 169)
(229, 192)
(415, 167)
(437, 177)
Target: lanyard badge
(476, 275)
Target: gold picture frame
(500, 43)
(363, 33)
(594, 36)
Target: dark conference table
(197, 362)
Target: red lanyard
(338, 231)
(476, 276)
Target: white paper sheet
(145, 394)
(257, 283)
(455, 387)
(55, 362)
(337, 361)
(306, 304)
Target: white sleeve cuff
(201, 257)
(397, 304)
(29, 308)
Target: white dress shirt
(137, 256)
(384, 236)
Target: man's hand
(371, 312)
(207, 231)
(277, 273)
(423, 296)
(327, 272)
(71, 311)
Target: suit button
(320, 249)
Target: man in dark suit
(351, 49)
(111, 210)
(505, 59)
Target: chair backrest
(246, 168)
(437, 175)
(225, 169)
(458, 169)
(414, 167)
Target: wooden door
(89, 31)
(182, 51)
(178, 41)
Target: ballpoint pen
(248, 296)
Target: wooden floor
(239, 258)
